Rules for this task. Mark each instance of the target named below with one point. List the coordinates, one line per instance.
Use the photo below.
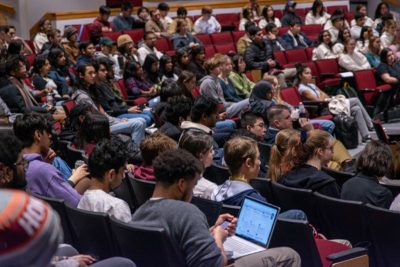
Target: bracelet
(71, 183)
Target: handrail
(7, 8)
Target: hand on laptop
(227, 217)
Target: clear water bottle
(50, 99)
(302, 110)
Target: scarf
(29, 100)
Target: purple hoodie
(44, 179)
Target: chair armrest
(347, 254)
(328, 75)
(366, 90)
(384, 87)
(315, 103)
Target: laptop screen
(256, 221)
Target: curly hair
(375, 160)
(154, 145)
(26, 125)
(107, 155)
(173, 165)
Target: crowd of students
(197, 112)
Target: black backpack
(346, 130)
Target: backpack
(347, 91)
(346, 130)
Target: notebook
(254, 228)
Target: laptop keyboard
(238, 246)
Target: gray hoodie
(210, 87)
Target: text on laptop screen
(256, 221)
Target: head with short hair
(375, 160)
(240, 152)
(77, 115)
(248, 24)
(107, 162)
(16, 66)
(39, 62)
(155, 144)
(177, 169)
(206, 10)
(212, 65)
(254, 123)
(204, 111)
(86, 48)
(359, 18)
(104, 10)
(126, 8)
(168, 89)
(15, 47)
(199, 145)
(178, 109)
(33, 129)
(271, 28)
(150, 39)
(279, 117)
(12, 166)
(198, 53)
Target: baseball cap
(106, 41)
(291, 3)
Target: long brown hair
(285, 153)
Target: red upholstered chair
(309, 51)
(226, 20)
(237, 35)
(163, 45)
(84, 35)
(296, 56)
(221, 38)
(330, 9)
(68, 105)
(278, 13)
(300, 12)
(280, 57)
(136, 35)
(196, 91)
(329, 72)
(225, 48)
(196, 17)
(31, 58)
(312, 31)
(30, 44)
(366, 84)
(113, 35)
(204, 38)
(282, 31)
(209, 51)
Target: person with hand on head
(43, 178)
(206, 24)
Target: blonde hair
(237, 150)
(285, 153)
(213, 62)
(316, 139)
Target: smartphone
(225, 224)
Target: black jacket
(109, 102)
(288, 17)
(309, 177)
(15, 102)
(171, 130)
(256, 56)
(200, 71)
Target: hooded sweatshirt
(211, 87)
(258, 102)
(145, 173)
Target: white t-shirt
(204, 188)
(99, 201)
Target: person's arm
(389, 79)
(308, 95)
(249, 58)
(309, 19)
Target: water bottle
(302, 110)
(49, 99)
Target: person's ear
(110, 175)
(248, 128)
(6, 175)
(248, 163)
(37, 135)
(181, 185)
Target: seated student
(151, 147)
(351, 59)
(40, 79)
(200, 145)
(268, 16)
(211, 87)
(309, 91)
(261, 98)
(87, 50)
(167, 69)
(372, 164)
(196, 64)
(290, 14)
(338, 13)
(381, 11)
(272, 38)
(356, 28)
(12, 33)
(164, 18)
(187, 82)
(124, 21)
(317, 14)
(363, 10)
(142, 16)
(317, 152)
(176, 112)
(374, 51)
(194, 243)
(136, 83)
(363, 41)
(343, 36)
(226, 84)
(59, 72)
(255, 8)
(148, 47)
(388, 71)
(107, 167)
(389, 32)
(245, 40)
(87, 93)
(337, 24)
(102, 19)
(151, 67)
(237, 76)
(155, 25)
(285, 153)
(41, 37)
(43, 178)
(182, 38)
(294, 37)
(207, 23)
(181, 13)
(107, 51)
(279, 119)
(181, 61)
(247, 16)
(325, 48)
(54, 37)
(70, 44)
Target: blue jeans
(325, 125)
(146, 115)
(294, 215)
(134, 127)
(225, 124)
(153, 102)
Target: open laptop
(254, 228)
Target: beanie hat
(124, 39)
(29, 230)
(69, 31)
